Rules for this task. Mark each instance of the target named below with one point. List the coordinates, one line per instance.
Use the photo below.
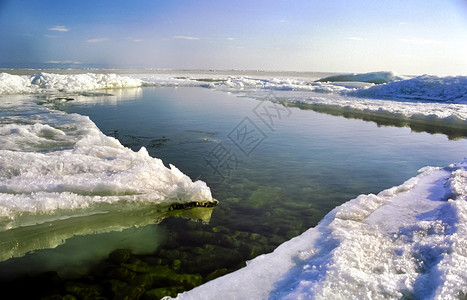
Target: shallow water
(275, 170)
(283, 176)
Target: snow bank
(45, 82)
(279, 84)
(432, 88)
(54, 165)
(61, 177)
(244, 83)
(395, 99)
(373, 77)
(452, 114)
(408, 241)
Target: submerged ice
(406, 242)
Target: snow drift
(45, 82)
(408, 241)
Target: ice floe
(54, 164)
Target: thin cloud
(64, 62)
(417, 41)
(354, 38)
(134, 40)
(182, 37)
(97, 40)
(59, 28)
(230, 38)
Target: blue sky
(409, 37)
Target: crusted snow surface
(407, 241)
(426, 87)
(46, 82)
(55, 165)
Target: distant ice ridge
(375, 85)
(431, 88)
(428, 97)
(45, 82)
(55, 165)
(335, 83)
(372, 77)
(277, 84)
(424, 98)
(226, 82)
(408, 241)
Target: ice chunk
(54, 164)
(45, 82)
(13, 84)
(432, 88)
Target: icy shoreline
(46, 82)
(443, 98)
(56, 166)
(407, 241)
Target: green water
(307, 158)
(275, 175)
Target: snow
(45, 82)
(54, 164)
(275, 84)
(451, 113)
(13, 84)
(425, 98)
(407, 241)
(61, 177)
(429, 88)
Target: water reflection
(104, 96)
(452, 128)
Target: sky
(408, 37)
